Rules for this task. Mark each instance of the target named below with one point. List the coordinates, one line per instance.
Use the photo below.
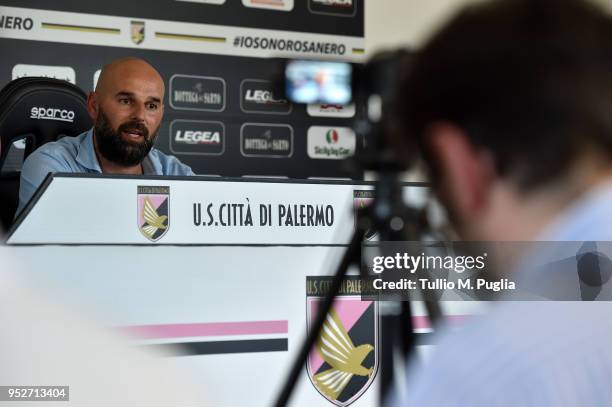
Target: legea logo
(51, 113)
(198, 137)
(262, 96)
(258, 96)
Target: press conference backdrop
(231, 279)
(222, 116)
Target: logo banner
(344, 362)
(153, 211)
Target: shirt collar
(150, 167)
(584, 220)
(86, 155)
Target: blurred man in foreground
(511, 104)
(126, 108)
(45, 344)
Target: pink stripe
(423, 322)
(207, 329)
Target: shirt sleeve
(175, 167)
(33, 173)
(185, 169)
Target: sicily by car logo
(331, 143)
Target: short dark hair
(530, 80)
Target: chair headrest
(41, 109)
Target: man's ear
(92, 106)
(466, 173)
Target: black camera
(339, 82)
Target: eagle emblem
(153, 211)
(344, 360)
(138, 31)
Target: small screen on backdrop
(318, 82)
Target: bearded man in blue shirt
(127, 109)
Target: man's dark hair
(529, 80)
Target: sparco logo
(189, 92)
(51, 113)
(257, 96)
(331, 143)
(16, 23)
(197, 137)
(266, 140)
(344, 8)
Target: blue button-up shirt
(540, 353)
(77, 155)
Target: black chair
(34, 111)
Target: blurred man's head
(511, 104)
(127, 109)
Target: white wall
(404, 23)
(409, 23)
(393, 23)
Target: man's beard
(114, 148)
